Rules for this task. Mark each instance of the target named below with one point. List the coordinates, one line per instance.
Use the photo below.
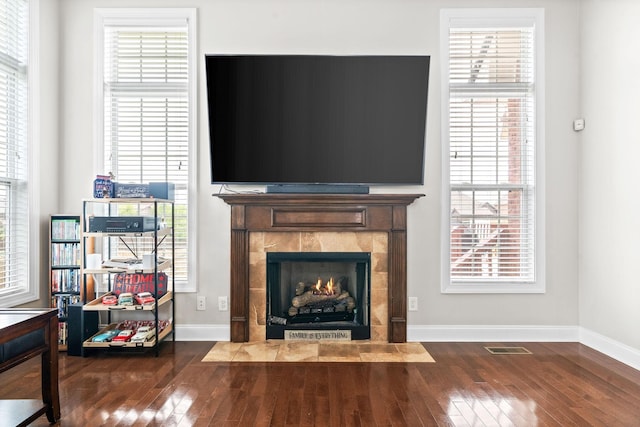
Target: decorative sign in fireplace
(323, 291)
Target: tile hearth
(316, 351)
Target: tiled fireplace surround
(374, 223)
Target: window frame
(30, 291)
(140, 17)
(491, 18)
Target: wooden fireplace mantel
(266, 212)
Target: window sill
(492, 288)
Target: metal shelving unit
(122, 253)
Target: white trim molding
(202, 332)
(140, 18)
(422, 333)
(612, 348)
(492, 333)
(526, 333)
(496, 18)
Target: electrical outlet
(413, 303)
(222, 304)
(201, 303)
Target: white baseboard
(468, 333)
(614, 349)
(420, 333)
(492, 333)
(202, 333)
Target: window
(18, 238)
(492, 150)
(147, 87)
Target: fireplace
(265, 223)
(318, 291)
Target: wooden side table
(26, 333)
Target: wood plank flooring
(560, 384)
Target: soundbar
(318, 188)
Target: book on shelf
(65, 254)
(62, 302)
(65, 229)
(67, 280)
(62, 333)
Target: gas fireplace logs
(319, 297)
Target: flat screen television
(317, 119)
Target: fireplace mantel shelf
(319, 213)
(348, 199)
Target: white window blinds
(14, 174)
(147, 114)
(491, 152)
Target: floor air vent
(508, 350)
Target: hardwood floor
(560, 384)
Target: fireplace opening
(318, 291)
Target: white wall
(46, 154)
(352, 26)
(609, 173)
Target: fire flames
(324, 289)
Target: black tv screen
(317, 119)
